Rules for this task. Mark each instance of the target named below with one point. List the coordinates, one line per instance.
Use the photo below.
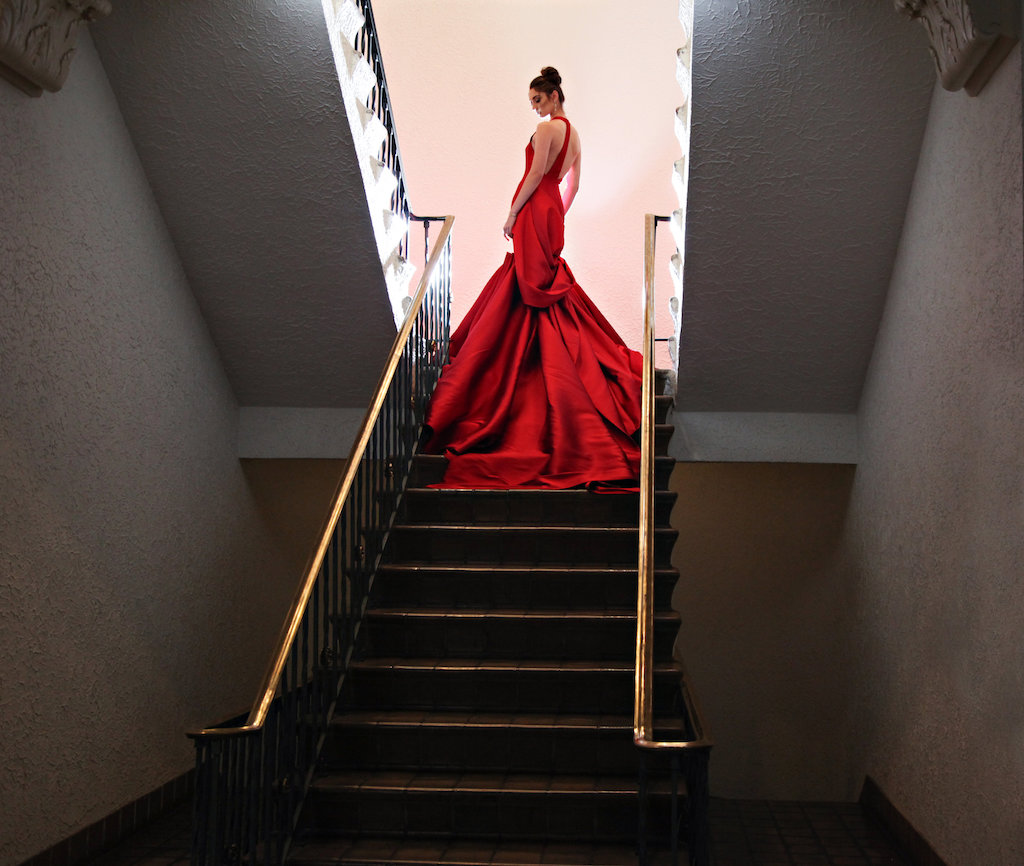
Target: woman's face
(542, 103)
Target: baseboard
(911, 844)
(97, 838)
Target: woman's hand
(511, 221)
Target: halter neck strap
(556, 167)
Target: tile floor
(744, 833)
(757, 833)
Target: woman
(540, 391)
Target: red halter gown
(540, 390)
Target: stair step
(524, 634)
(522, 545)
(509, 507)
(491, 742)
(497, 685)
(540, 806)
(663, 404)
(429, 469)
(432, 851)
(487, 716)
(662, 435)
(439, 586)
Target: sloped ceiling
(808, 117)
(236, 114)
(807, 121)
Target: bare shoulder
(546, 129)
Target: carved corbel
(37, 40)
(969, 38)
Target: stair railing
(251, 779)
(379, 102)
(689, 756)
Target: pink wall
(459, 71)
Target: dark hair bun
(551, 74)
(549, 81)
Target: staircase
(487, 714)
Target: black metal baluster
(250, 784)
(674, 827)
(641, 824)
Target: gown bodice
(539, 234)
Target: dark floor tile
(744, 833)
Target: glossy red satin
(540, 390)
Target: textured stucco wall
(136, 578)
(238, 120)
(766, 627)
(936, 525)
(807, 122)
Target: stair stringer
(359, 84)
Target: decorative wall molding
(37, 40)
(969, 38)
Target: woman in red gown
(540, 390)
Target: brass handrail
(272, 678)
(643, 700)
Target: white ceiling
(236, 113)
(807, 122)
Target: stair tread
(474, 782)
(462, 719)
(533, 665)
(461, 613)
(549, 569)
(431, 851)
(545, 528)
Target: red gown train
(540, 390)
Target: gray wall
(138, 590)
(936, 524)
(842, 622)
(766, 629)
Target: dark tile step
(351, 850)
(663, 404)
(543, 806)
(522, 545)
(429, 469)
(662, 435)
(533, 507)
(486, 685)
(434, 586)
(492, 742)
(510, 634)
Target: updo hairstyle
(549, 81)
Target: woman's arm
(571, 183)
(542, 143)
